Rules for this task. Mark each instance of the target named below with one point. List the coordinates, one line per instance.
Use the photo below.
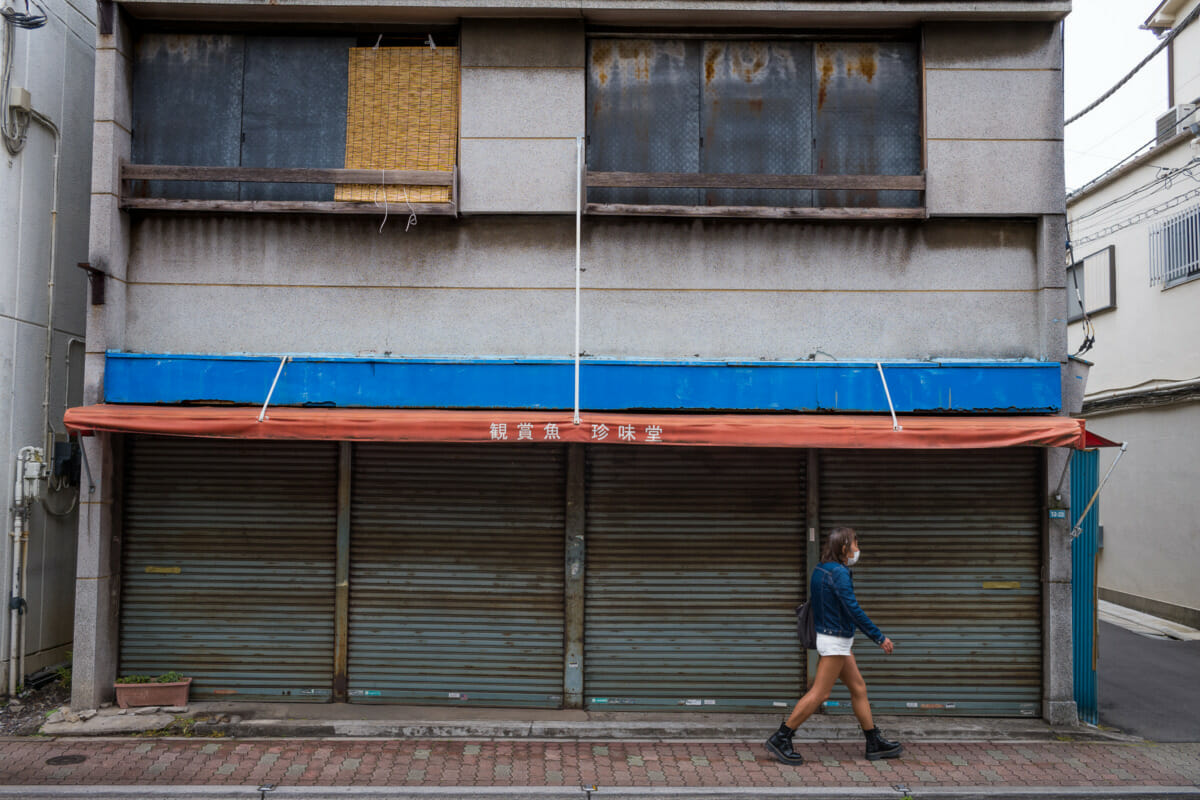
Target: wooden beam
(283, 206)
(755, 212)
(648, 180)
(393, 177)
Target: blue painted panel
(1085, 473)
(916, 387)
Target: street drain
(62, 761)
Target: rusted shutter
(951, 549)
(694, 567)
(456, 576)
(228, 565)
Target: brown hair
(836, 545)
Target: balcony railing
(692, 180)
(133, 194)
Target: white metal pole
(578, 257)
(1078, 529)
(891, 408)
(263, 414)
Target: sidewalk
(521, 767)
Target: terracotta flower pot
(153, 694)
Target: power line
(1166, 41)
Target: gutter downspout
(47, 430)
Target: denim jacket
(835, 610)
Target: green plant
(166, 677)
(64, 673)
(135, 679)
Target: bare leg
(852, 679)
(828, 669)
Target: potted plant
(168, 689)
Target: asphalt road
(1149, 687)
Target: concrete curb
(589, 793)
(631, 730)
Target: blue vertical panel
(756, 117)
(294, 110)
(643, 114)
(187, 109)
(867, 118)
(1085, 468)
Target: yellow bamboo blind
(402, 113)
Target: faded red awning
(853, 431)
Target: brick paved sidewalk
(431, 763)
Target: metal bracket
(895, 422)
(263, 414)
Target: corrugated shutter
(951, 545)
(694, 567)
(456, 579)
(228, 572)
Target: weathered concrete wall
(522, 109)
(55, 64)
(653, 288)
(994, 112)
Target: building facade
(522, 356)
(1135, 233)
(46, 87)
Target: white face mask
(853, 559)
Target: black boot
(879, 747)
(780, 746)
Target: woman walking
(835, 615)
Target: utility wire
(1166, 41)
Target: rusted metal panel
(695, 564)
(228, 565)
(866, 111)
(643, 100)
(756, 116)
(950, 570)
(456, 577)
(294, 110)
(187, 109)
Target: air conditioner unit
(1174, 122)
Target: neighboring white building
(53, 64)
(1136, 232)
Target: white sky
(1103, 42)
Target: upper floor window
(293, 123)
(1175, 249)
(1091, 284)
(797, 123)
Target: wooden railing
(693, 180)
(161, 172)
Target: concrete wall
(994, 112)
(1185, 64)
(1150, 509)
(653, 289)
(55, 64)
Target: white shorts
(834, 645)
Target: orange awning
(729, 430)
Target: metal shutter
(456, 580)
(228, 565)
(951, 544)
(694, 567)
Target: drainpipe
(47, 430)
(25, 488)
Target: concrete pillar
(98, 559)
(97, 576)
(1058, 677)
